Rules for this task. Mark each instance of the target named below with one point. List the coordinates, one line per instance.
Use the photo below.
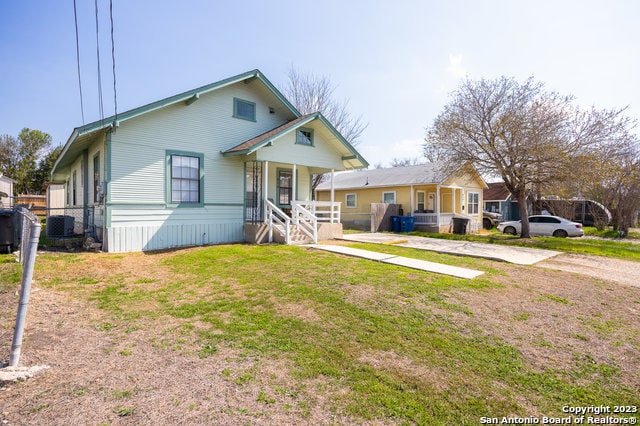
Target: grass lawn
(354, 341)
(608, 247)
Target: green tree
(42, 174)
(19, 158)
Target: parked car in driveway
(490, 219)
(544, 225)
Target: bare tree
(310, 93)
(404, 162)
(517, 131)
(611, 176)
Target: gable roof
(7, 179)
(394, 176)
(254, 144)
(428, 173)
(496, 191)
(82, 136)
(265, 139)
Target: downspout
(85, 191)
(106, 199)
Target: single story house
(433, 197)
(227, 162)
(6, 191)
(497, 199)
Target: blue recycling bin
(396, 223)
(407, 223)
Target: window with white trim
(351, 200)
(421, 202)
(473, 203)
(389, 197)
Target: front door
(431, 203)
(285, 188)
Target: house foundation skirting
(258, 233)
(164, 236)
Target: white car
(544, 225)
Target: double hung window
(185, 179)
(473, 203)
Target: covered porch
(280, 166)
(435, 206)
(278, 204)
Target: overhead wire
(100, 102)
(75, 16)
(113, 62)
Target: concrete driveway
(511, 254)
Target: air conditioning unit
(60, 226)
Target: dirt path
(148, 372)
(620, 271)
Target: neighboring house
(497, 199)
(217, 164)
(431, 196)
(55, 199)
(6, 192)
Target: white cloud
(455, 68)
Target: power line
(113, 62)
(75, 16)
(100, 103)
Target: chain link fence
(21, 230)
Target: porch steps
(297, 237)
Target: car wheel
(560, 233)
(486, 224)
(510, 230)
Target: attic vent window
(244, 109)
(304, 137)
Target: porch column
(454, 195)
(332, 195)
(411, 201)
(265, 190)
(294, 195)
(438, 206)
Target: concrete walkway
(511, 254)
(422, 265)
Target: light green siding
(285, 149)
(141, 218)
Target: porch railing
(275, 217)
(325, 211)
(426, 218)
(307, 222)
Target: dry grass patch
(282, 335)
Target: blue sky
(396, 61)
